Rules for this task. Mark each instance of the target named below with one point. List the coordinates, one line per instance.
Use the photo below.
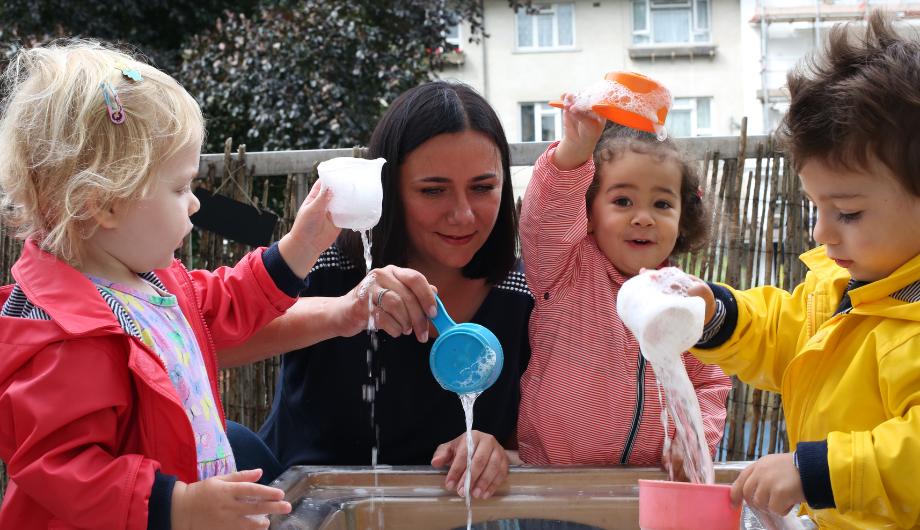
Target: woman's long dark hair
(415, 117)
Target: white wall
(603, 36)
(789, 41)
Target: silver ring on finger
(380, 296)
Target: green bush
(314, 73)
(155, 27)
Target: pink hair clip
(699, 192)
(112, 103)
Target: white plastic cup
(357, 191)
(658, 315)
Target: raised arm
(554, 216)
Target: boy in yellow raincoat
(844, 347)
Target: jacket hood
(66, 295)
(895, 296)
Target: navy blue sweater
(320, 417)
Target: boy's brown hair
(694, 222)
(858, 102)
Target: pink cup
(665, 505)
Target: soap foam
(666, 322)
(646, 104)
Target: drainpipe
(485, 60)
(817, 24)
(765, 93)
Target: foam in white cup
(357, 192)
(654, 305)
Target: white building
(776, 34)
(691, 46)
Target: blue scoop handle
(442, 320)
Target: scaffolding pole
(764, 90)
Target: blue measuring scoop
(466, 358)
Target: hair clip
(112, 103)
(699, 192)
(131, 73)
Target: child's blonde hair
(62, 159)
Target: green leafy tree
(156, 27)
(316, 73)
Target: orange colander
(632, 101)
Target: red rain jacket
(87, 412)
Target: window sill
(525, 51)
(671, 51)
(454, 58)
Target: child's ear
(106, 217)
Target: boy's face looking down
(635, 215)
(868, 221)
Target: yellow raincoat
(852, 379)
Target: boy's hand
(312, 232)
(770, 484)
(583, 128)
(490, 464)
(226, 502)
(701, 289)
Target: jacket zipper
(640, 402)
(810, 315)
(190, 293)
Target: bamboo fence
(761, 223)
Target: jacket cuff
(811, 461)
(284, 278)
(715, 324)
(159, 508)
(724, 322)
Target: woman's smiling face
(451, 188)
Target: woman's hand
(489, 465)
(583, 128)
(230, 501)
(400, 299)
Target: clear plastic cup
(357, 191)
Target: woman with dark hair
(448, 223)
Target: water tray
(407, 497)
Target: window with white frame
(690, 117)
(540, 122)
(452, 36)
(552, 26)
(671, 21)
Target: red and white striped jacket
(587, 396)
